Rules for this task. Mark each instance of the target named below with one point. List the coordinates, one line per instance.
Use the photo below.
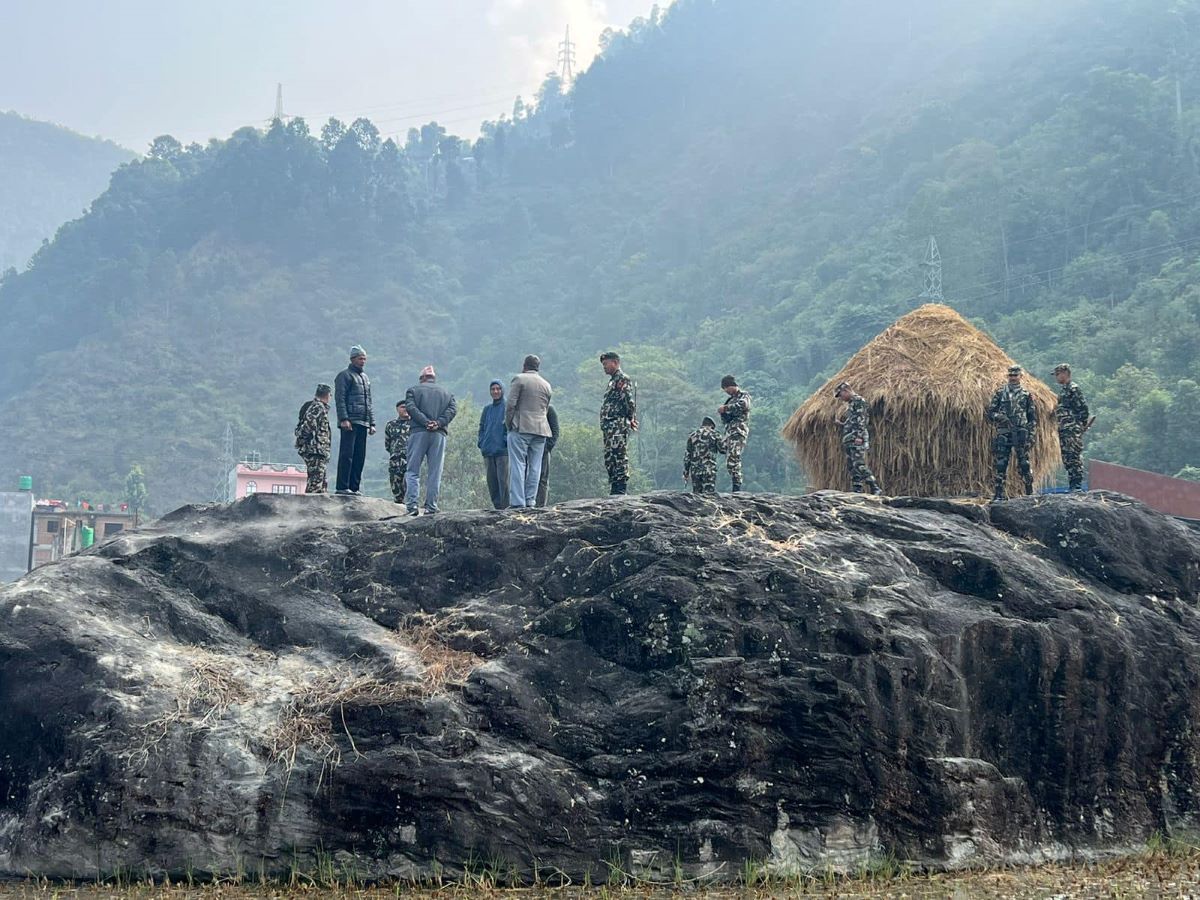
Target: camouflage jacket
(700, 457)
(618, 407)
(854, 426)
(737, 414)
(1012, 409)
(1072, 409)
(313, 435)
(395, 438)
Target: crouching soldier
(700, 457)
(856, 439)
(395, 442)
(314, 438)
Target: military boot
(1028, 487)
(876, 489)
(999, 495)
(618, 488)
(737, 486)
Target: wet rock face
(641, 682)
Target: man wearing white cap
(432, 409)
(356, 419)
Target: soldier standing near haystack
(700, 456)
(856, 439)
(314, 439)
(1015, 417)
(735, 413)
(1073, 421)
(395, 442)
(618, 417)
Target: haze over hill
(48, 174)
(730, 187)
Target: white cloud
(534, 29)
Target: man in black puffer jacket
(356, 419)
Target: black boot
(999, 495)
(618, 488)
(737, 486)
(876, 489)
(1029, 487)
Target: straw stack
(928, 380)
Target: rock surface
(644, 682)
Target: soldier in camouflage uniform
(700, 457)
(395, 442)
(1015, 417)
(735, 413)
(856, 439)
(314, 439)
(1072, 416)
(618, 417)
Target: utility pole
(932, 267)
(278, 117)
(566, 60)
(226, 462)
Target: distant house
(1173, 496)
(248, 478)
(59, 529)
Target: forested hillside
(731, 187)
(48, 175)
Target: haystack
(928, 380)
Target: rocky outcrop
(653, 682)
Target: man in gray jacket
(528, 428)
(356, 419)
(432, 409)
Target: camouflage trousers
(1004, 445)
(1070, 442)
(860, 472)
(317, 484)
(704, 482)
(616, 455)
(733, 456)
(397, 469)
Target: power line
(415, 101)
(1131, 256)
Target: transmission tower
(226, 464)
(278, 117)
(566, 59)
(933, 272)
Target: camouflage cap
(844, 385)
(1061, 367)
(709, 420)
(323, 389)
(1015, 370)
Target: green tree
(135, 492)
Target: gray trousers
(497, 480)
(428, 447)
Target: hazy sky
(133, 69)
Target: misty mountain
(48, 175)
(740, 187)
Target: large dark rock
(657, 680)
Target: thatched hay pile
(928, 380)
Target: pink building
(248, 478)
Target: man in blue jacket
(356, 419)
(493, 444)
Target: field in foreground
(1173, 871)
